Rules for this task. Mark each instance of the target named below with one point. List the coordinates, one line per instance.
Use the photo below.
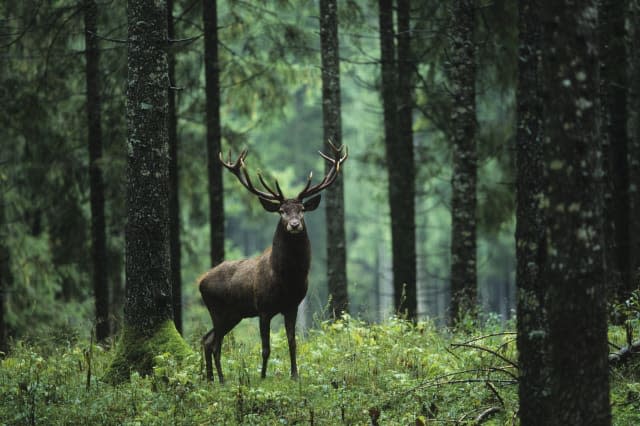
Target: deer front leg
(290, 326)
(265, 323)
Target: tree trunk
(5, 279)
(174, 204)
(212, 94)
(574, 271)
(406, 221)
(634, 141)
(96, 182)
(148, 321)
(331, 124)
(530, 226)
(464, 174)
(614, 135)
(402, 229)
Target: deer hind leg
(265, 322)
(207, 344)
(221, 327)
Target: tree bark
(613, 91)
(464, 174)
(5, 279)
(634, 138)
(332, 131)
(214, 136)
(96, 181)
(406, 221)
(148, 321)
(174, 201)
(398, 162)
(574, 271)
(530, 242)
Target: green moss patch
(136, 351)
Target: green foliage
(626, 314)
(350, 370)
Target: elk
(272, 283)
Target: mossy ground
(349, 372)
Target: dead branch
(482, 348)
(625, 354)
(486, 414)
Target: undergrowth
(350, 373)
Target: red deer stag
(272, 283)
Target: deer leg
(217, 349)
(290, 326)
(265, 322)
(207, 343)
(220, 329)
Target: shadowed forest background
(493, 172)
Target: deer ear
(312, 203)
(269, 206)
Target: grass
(350, 373)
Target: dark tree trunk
(462, 71)
(402, 228)
(96, 182)
(634, 141)
(406, 221)
(148, 320)
(5, 280)
(574, 271)
(331, 124)
(212, 79)
(613, 89)
(174, 204)
(530, 226)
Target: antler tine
(239, 170)
(306, 187)
(278, 193)
(331, 175)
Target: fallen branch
(482, 348)
(486, 414)
(624, 355)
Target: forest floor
(351, 372)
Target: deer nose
(294, 225)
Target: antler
(331, 175)
(239, 170)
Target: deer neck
(291, 253)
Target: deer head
(291, 210)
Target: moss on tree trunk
(136, 350)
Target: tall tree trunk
(5, 279)
(406, 221)
(96, 182)
(633, 59)
(612, 14)
(403, 263)
(464, 174)
(574, 271)
(212, 95)
(148, 321)
(174, 204)
(530, 225)
(332, 127)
